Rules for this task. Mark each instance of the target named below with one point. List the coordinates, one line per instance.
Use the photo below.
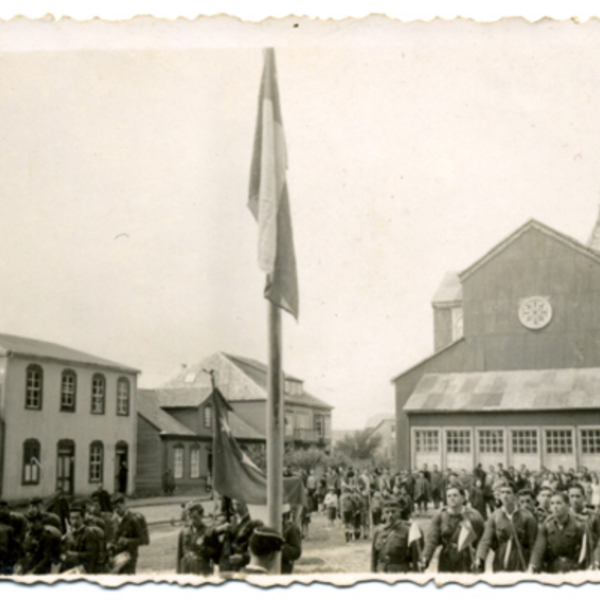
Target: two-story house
(185, 401)
(67, 420)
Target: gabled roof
(154, 406)
(149, 407)
(239, 379)
(536, 225)
(12, 345)
(428, 358)
(501, 391)
(182, 397)
(449, 293)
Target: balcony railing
(305, 435)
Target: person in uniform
(445, 531)
(291, 550)
(128, 536)
(83, 545)
(234, 554)
(542, 511)
(264, 546)
(41, 549)
(10, 546)
(511, 532)
(526, 499)
(591, 523)
(198, 546)
(392, 550)
(36, 510)
(348, 509)
(558, 545)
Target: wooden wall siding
(442, 328)
(149, 457)
(453, 358)
(534, 265)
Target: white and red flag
(268, 197)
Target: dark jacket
(292, 547)
(558, 547)
(391, 551)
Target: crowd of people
(93, 536)
(504, 518)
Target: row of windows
(523, 441)
(179, 462)
(32, 451)
(34, 392)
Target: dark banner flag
(234, 473)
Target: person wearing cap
(559, 541)
(197, 546)
(36, 510)
(264, 545)
(445, 530)
(83, 546)
(291, 550)
(392, 550)
(10, 546)
(511, 532)
(128, 536)
(41, 549)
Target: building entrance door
(121, 467)
(65, 466)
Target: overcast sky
(412, 150)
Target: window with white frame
(195, 462)
(98, 394)
(68, 387)
(31, 462)
(96, 461)
(524, 441)
(208, 416)
(458, 441)
(122, 397)
(34, 387)
(559, 441)
(491, 441)
(178, 462)
(427, 441)
(319, 425)
(590, 441)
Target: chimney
(594, 241)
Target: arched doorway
(121, 467)
(65, 466)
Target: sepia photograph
(300, 301)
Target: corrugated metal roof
(449, 291)
(149, 407)
(30, 347)
(497, 391)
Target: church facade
(515, 376)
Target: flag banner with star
(234, 473)
(268, 197)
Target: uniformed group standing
(558, 534)
(96, 536)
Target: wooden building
(175, 420)
(515, 376)
(67, 421)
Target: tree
(306, 459)
(359, 446)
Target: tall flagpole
(275, 419)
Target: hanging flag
(466, 535)
(268, 197)
(415, 533)
(234, 473)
